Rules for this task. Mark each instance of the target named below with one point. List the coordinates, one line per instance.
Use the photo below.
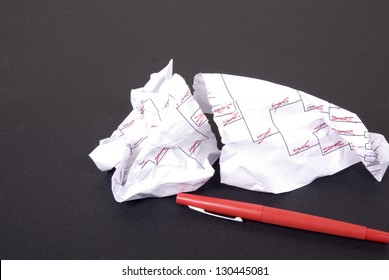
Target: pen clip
(236, 219)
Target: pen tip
(377, 235)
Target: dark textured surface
(66, 70)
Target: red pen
(242, 210)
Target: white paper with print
(164, 146)
(278, 139)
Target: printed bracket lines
(297, 138)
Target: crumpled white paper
(164, 146)
(278, 139)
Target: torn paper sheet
(278, 139)
(165, 145)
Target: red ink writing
(313, 107)
(186, 96)
(262, 136)
(167, 103)
(200, 119)
(127, 124)
(302, 147)
(275, 106)
(222, 108)
(160, 155)
(136, 144)
(157, 158)
(338, 144)
(344, 119)
(344, 132)
(229, 120)
(142, 108)
(193, 148)
(320, 126)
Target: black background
(66, 70)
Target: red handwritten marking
(136, 144)
(313, 107)
(344, 132)
(194, 147)
(160, 154)
(157, 158)
(209, 97)
(200, 119)
(186, 96)
(222, 108)
(167, 103)
(279, 104)
(320, 126)
(262, 136)
(233, 117)
(331, 147)
(142, 108)
(127, 124)
(335, 118)
(303, 147)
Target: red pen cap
(226, 207)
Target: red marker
(242, 210)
